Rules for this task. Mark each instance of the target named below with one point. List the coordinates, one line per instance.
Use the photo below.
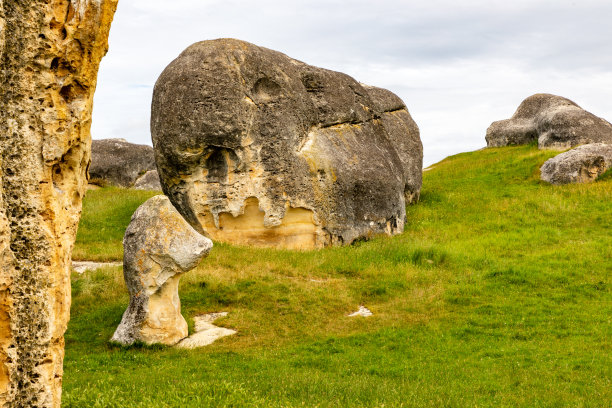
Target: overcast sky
(458, 66)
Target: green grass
(106, 215)
(497, 294)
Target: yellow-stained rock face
(50, 51)
(297, 230)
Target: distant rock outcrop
(254, 147)
(118, 162)
(555, 122)
(159, 246)
(580, 165)
(148, 181)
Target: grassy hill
(497, 294)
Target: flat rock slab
(363, 311)
(206, 332)
(84, 266)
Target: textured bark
(50, 51)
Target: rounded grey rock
(254, 147)
(118, 162)
(553, 121)
(580, 165)
(148, 181)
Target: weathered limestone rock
(148, 181)
(580, 165)
(119, 162)
(159, 246)
(49, 56)
(256, 148)
(555, 122)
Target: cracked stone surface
(159, 246)
(256, 148)
(555, 122)
(50, 51)
(206, 332)
(580, 165)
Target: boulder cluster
(558, 123)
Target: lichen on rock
(50, 51)
(256, 148)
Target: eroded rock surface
(555, 122)
(256, 148)
(49, 56)
(118, 162)
(159, 246)
(580, 165)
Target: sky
(458, 66)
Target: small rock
(148, 181)
(580, 165)
(363, 311)
(84, 266)
(159, 246)
(206, 332)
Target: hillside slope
(497, 294)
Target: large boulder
(580, 165)
(254, 147)
(118, 162)
(159, 246)
(553, 121)
(49, 57)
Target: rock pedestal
(256, 148)
(50, 51)
(553, 121)
(159, 246)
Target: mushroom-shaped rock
(159, 246)
(580, 165)
(256, 148)
(555, 122)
